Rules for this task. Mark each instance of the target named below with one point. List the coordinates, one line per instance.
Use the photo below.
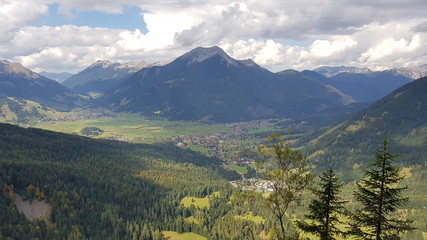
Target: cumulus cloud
(276, 34)
(14, 14)
(162, 28)
(373, 46)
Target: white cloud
(277, 34)
(162, 28)
(326, 48)
(14, 14)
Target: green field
(170, 235)
(249, 216)
(192, 219)
(135, 126)
(198, 202)
(239, 169)
(196, 148)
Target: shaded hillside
(98, 188)
(18, 81)
(367, 87)
(401, 116)
(206, 84)
(363, 84)
(102, 76)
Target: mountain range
(206, 84)
(102, 189)
(102, 76)
(20, 82)
(409, 72)
(363, 86)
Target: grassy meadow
(170, 235)
(134, 126)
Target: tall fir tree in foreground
(380, 197)
(325, 209)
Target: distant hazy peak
(131, 66)
(7, 67)
(134, 65)
(328, 71)
(411, 72)
(201, 54)
(163, 63)
(103, 64)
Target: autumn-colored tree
(288, 176)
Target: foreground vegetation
(156, 190)
(101, 189)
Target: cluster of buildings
(253, 184)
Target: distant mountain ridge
(329, 71)
(206, 84)
(102, 76)
(59, 77)
(20, 82)
(363, 84)
(409, 72)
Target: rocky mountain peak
(7, 67)
(103, 64)
(201, 54)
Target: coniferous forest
(102, 189)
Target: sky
(69, 35)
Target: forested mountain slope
(97, 189)
(400, 116)
(18, 81)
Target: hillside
(18, 81)
(17, 110)
(400, 116)
(97, 189)
(206, 84)
(363, 84)
(102, 76)
(367, 87)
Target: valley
(234, 143)
(178, 150)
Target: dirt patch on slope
(34, 209)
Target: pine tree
(145, 233)
(380, 197)
(325, 209)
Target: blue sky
(131, 18)
(69, 35)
